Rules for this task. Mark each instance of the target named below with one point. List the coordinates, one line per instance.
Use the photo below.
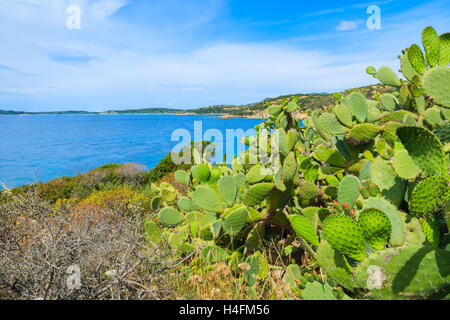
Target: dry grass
(38, 245)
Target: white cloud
(55, 11)
(348, 25)
(105, 8)
(224, 73)
(122, 64)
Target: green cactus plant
(182, 177)
(388, 77)
(205, 198)
(235, 220)
(345, 236)
(358, 104)
(436, 85)
(429, 195)
(318, 291)
(404, 166)
(425, 149)
(416, 58)
(330, 124)
(398, 228)
(444, 55)
(304, 229)
(170, 217)
(382, 174)
(376, 227)
(228, 189)
(343, 114)
(431, 230)
(349, 190)
(405, 273)
(432, 45)
(362, 134)
(257, 193)
(354, 180)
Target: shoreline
(221, 115)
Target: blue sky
(194, 53)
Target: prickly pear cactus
(376, 227)
(405, 273)
(429, 195)
(349, 190)
(345, 236)
(304, 229)
(362, 188)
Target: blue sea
(42, 147)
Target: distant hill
(310, 101)
(144, 111)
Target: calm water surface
(43, 147)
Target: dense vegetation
(363, 188)
(359, 207)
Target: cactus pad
(444, 56)
(185, 204)
(205, 198)
(182, 177)
(382, 174)
(398, 229)
(335, 265)
(349, 190)
(416, 58)
(329, 123)
(308, 190)
(170, 217)
(228, 189)
(404, 165)
(432, 45)
(318, 291)
(176, 239)
(344, 114)
(275, 110)
(203, 173)
(152, 232)
(388, 77)
(362, 134)
(304, 229)
(256, 194)
(289, 167)
(330, 156)
(256, 174)
(345, 236)
(431, 230)
(215, 176)
(425, 149)
(443, 132)
(436, 84)
(433, 116)
(407, 69)
(213, 254)
(389, 102)
(404, 273)
(376, 227)
(235, 221)
(358, 104)
(429, 195)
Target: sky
(193, 53)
